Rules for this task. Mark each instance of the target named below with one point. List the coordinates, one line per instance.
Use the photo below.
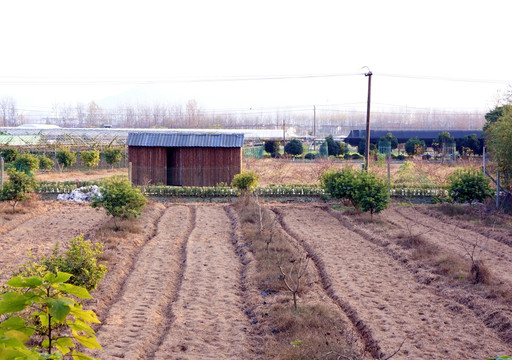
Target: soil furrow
(370, 344)
(386, 297)
(133, 326)
(485, 309)
(40, 233)
(501, 232)
(461, 241)
(209, 322)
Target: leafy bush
(26, 162)
(363, 189)
(324, 149)
(120, 199)
(246, 181)
(272, 146)
(293, 147)
(80, 260)
(469, 185)
(310, 156)
(113, 156)
(415, 146)
(9, 154)
(371, 193)
(45, 163)
(333, 147)
(340, 184)
(17, 188)
(65, 158)
(50, 299)
(90, 158)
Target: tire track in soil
(386, 297)
(493, 252)
(140, 316)
(209, 322)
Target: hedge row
(296, 190)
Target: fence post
(1, 172)
(130, 172)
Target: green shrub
(45, 163)
(415, 146)
(80, 260)
(310, 156)
(17, 188)
(120, 199)
(293, 147)
(371, 193)
(468, 185)
(339, 184)
(90, 158)
(272, 146)
(113, 156)
(26, 162)
(9, 154)
(65, 158)
(246, 181)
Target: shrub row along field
(254, 280)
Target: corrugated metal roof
(185, 140)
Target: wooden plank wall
(210, 166)
(148, 164)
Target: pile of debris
(83, 194)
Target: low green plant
(26, 162)
(246, 181)
(340, 184)
(17, 188)
(9, 154)
(65, 158)
(50, 300)
(371, 193)
(45, 163)
(113, 156)
(80, 260)
(120, 199)
(469, 185)
(90, 158)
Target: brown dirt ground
(175, 290)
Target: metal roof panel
(185, 140)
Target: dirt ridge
(183, 256)
(132, 327)
(371, 345)
(255, 331)
(497, 321)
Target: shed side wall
(209, 166)
(148, 164)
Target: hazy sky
(446, 54)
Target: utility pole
(367, 152)
(314, 127)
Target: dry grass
(312, 331)
(452, 267)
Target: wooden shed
(182, 159)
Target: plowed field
(177, 286)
